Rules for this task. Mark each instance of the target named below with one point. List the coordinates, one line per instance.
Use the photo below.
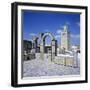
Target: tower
(65, 38)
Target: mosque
(59, 54)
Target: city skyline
(40, 22)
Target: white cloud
(47, 44)
(59, 31)
(75, 36)
(32, 34)
(78, 23)
(57, 36)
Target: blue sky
(36, 22)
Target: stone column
(33, 48)
(36, 45)
(42, 47)
(53, 52)
(55, 47)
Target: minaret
(65, 38)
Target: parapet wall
(66, 61)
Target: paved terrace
(37, 67)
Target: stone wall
(66, 61)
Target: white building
(65, 38)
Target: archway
(53, 45)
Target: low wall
(67, 61)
